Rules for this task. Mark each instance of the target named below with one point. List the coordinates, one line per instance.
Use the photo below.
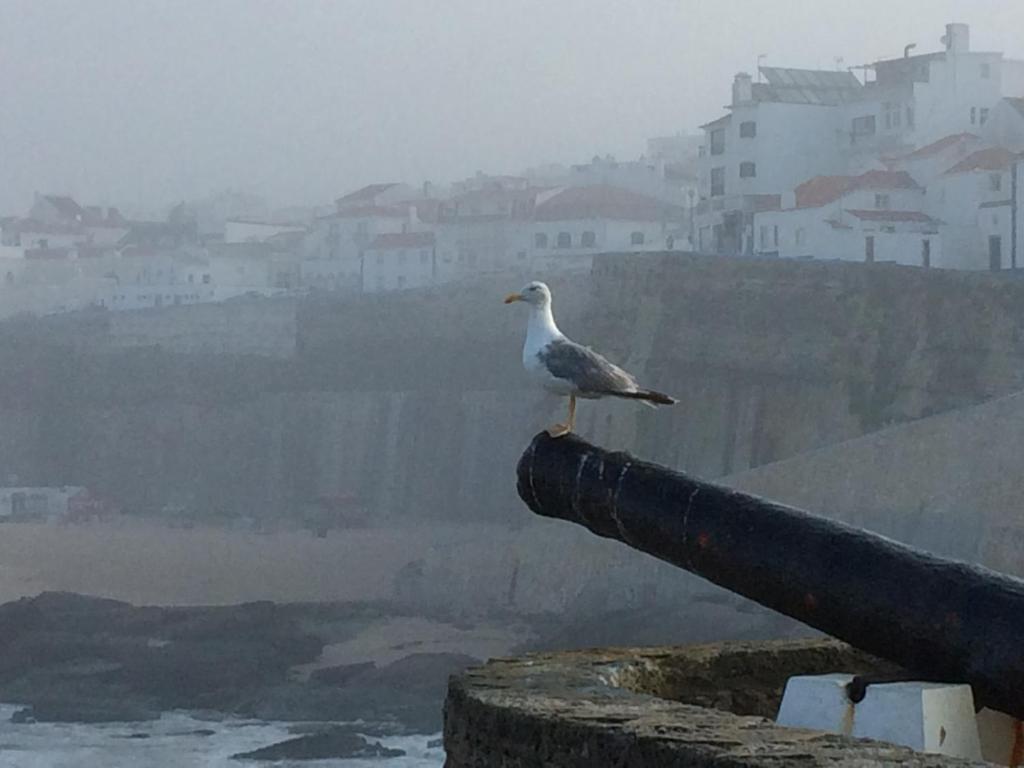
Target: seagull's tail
(648, 397)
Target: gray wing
(587, 370)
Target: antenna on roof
(907, 48)
(760, 57)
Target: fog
(262, 405)
(143, 104)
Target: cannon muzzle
(937, 618)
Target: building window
(910, 116)
(986, 71)
(869, 248)
(926, 253)
(521, 255)
(424, 257)
(206, 279)
(540, 240)
(891, 114)
(995, 182)
(764, 237)
(564, 240)
(974, 115)
(800, 237)
(983, 116)
(863, 126)
(775, 236)
(636, 238)
(401, 281)
(588, 239)
(717, 182)
(882, 202)
(748, 170)
(718, 141)
(748, 129)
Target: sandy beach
(148, 564)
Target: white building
(777, 134)
(979, 202)
(798, 124)
(875, 216)
(393, 262)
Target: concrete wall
(949, 483)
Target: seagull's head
(535, 293)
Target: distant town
(914, 160)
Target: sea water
(176, 740)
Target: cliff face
(418, 403)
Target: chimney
(742, 89)
(957, 38)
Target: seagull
(564, 367)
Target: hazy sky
(145, 102)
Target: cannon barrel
(941, 619)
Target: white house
(333, 247)
(979, 203)
(399, 261)
(875, 216)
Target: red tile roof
(365, 195)
(402, 240)
(938, 146)
(64, 205)
(822, 190)
(991, 159)
(886, 215)
(602, 202)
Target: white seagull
(564, 367)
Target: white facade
(977, 206)
(399, 262)
(880, 217)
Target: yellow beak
(513, 297)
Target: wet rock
(435, 744)
(335, 743)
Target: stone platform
(705, 705)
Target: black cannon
(938, 619)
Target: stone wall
(652, 707)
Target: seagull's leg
(560, 430)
